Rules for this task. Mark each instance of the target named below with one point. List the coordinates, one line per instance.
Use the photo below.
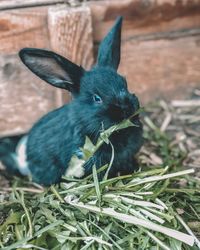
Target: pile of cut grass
(153, 209)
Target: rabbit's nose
(127, 106)
(127, 111)
(116, 112)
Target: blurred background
(160, 50)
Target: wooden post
(70, 31)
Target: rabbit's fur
(100, 100)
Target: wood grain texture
(23, 28)
(11, 4)
(144, 17)
(23, 96)
(70, 32)
(162, 68)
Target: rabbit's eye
(97, 98)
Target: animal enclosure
(160, 49)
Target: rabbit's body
(48, 148)
(100, 100)
(55, 138)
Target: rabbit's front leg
(126, 168)
(99, 159)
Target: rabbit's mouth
(136, 120)
(119, 114)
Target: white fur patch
(75, 168)
(21, 156)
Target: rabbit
(100, 99)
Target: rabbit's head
(101, 98)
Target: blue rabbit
(100, 100)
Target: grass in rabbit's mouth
(156, 208)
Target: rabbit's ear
(109, 49)
(53, 68)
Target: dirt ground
(180, 121)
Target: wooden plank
(12, 4)
(23, 28)
(24, 98)
(145, 17)
(161, 68)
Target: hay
(156, 208)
